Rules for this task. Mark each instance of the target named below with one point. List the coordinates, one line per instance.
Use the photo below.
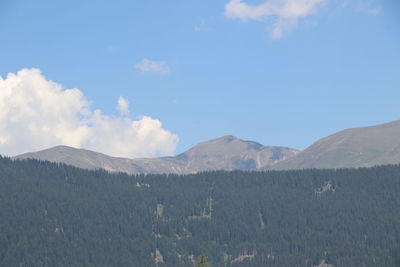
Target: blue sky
(204, 70)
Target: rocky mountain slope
(225, 153)
(355, 147)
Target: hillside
(356, 147)
(58, 215)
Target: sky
(154, 78)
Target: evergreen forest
(57, 215)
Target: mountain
(231, 153)
(82, 158)
(225, 153)
(351, 148)
(356, 147)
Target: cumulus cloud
(123, 106)
(286, 13)
(148, 65)
(37, 113)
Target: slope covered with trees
(58, 215)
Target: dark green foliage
(57, 215)
(202, 262)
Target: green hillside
(57, 215)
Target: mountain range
(225, 153)
(350, 148)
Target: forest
(57, 215)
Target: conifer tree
(202, 262)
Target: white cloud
(37, 113)
(368, 6)
(287, 13)
(201, 25)
(374, 11)
(113, 48)
(123, 106)
(148, 65)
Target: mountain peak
(222, 140)
(229, 152)
(230, 139)
(227, 138)
(224, 144)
